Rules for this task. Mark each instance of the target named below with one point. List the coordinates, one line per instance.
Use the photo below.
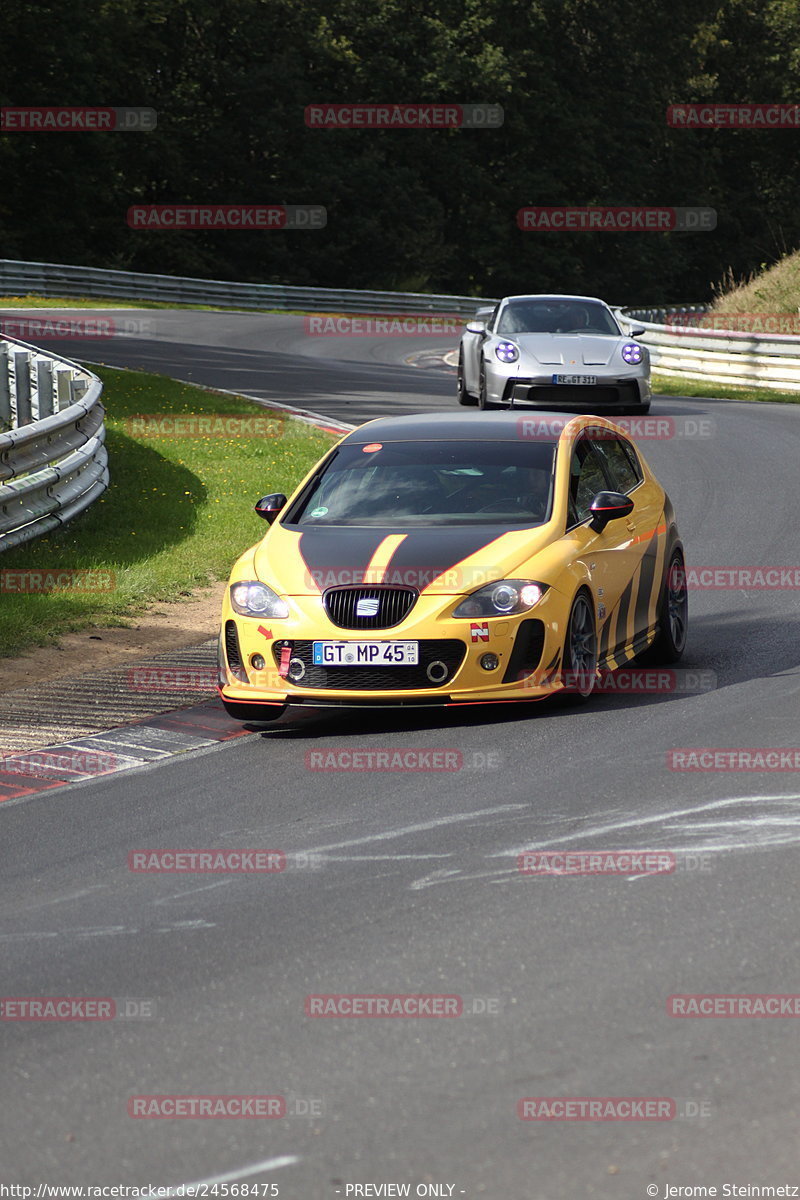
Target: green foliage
(584, 85)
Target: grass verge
(34, 300)
(177, 514)
(111, 302)
(673, 385)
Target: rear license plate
(576, 380)
(366, 654)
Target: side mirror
(636, 331)
(476, 327)
(268, 507)
(608, 506)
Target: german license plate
(576, 380)
(366, 654)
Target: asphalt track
(408, 883)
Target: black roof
(456, 427)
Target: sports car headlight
(252, 599)
(507, 352)
(502, 599)
(632, 353)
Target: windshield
(557, 316)
(430, 483)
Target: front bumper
(528, 647)
(613, 392)
(617, 396)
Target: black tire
(673, 614)
(579, 659)
(483, 402)
(462, 394)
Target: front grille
(558, 394)
(448, 651)
(394, 605)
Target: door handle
(631, 526)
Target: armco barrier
(52, 279)
(53, 459)
(716, 355)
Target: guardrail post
(5, 389)
(77, 388)
(63, 390)
(22, 388)
(44, 388)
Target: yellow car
(445, 560)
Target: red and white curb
(152, 740)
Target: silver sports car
(562, 352)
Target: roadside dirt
(161, 628)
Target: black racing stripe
(649, 560)
(605, 633)
(427, 553)
(622, 619)
(339, 558)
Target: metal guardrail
(717, 355)
(55, 279)
(53, 459)
(695, 353)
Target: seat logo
(367, 608)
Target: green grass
(177, 514)
(776, 289)
(673, 385)
(34, 300)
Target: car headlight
(507, 352)
(632, 353)
(252, 599)
(502, 599)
